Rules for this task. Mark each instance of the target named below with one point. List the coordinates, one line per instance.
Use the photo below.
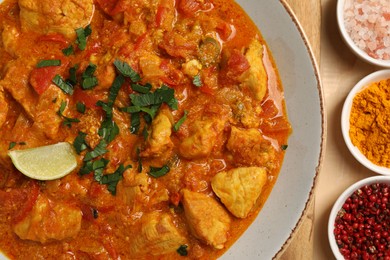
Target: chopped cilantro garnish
(80, 107)
(284, 147)
(158, 172)
(99, 150)
(89, 83)
(64, 86)
(197, 81)
(67, 120)
(11, 145)
(108, 130)
(111, 180)
(161, 95)
(82, 34)
(79, 142)
(180, 122)
(127, 71)
(135, 123)
(68, 50)
(182, 250)
(141, 88)
(47, 63)
(96, 167)
(88, 79)
(72, 80)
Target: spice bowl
(346, 117)
(364, 29)
(359, 222)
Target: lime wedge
(45, 162)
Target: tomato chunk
(31, 193)
(87, 99)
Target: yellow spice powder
(370, 122)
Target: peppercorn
(362, 225)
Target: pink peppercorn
(362, 225)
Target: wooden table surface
(340, 70)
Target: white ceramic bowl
(339, 203)
(374, 77)
(359, 52)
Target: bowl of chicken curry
(172, 114)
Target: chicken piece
(46, 16)
(159, 141)
(249, 147)
(207, 219)
(255, 78)
(48, 221)
(158, 235)
(3, 107)
(239, 188)
(203, 135)
(134, 188)
(46, 117)
(10, 37)
(15, 82)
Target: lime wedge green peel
(45, 162)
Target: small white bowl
(374, 77)
(339, 204)
(359, 52)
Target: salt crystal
(368, 24)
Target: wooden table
(340, 70)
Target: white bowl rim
(359, 52)
(371, 78)
(339, 203)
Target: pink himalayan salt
(368, 24)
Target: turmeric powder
(370, 122)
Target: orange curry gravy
(181, 90)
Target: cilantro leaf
(82, 34)
(161, 95)
(88, 79)
(158, 172)
(127, 71)
(135, 123)
(197, 81)
(111, 180)
(64, 86)
(177, 125)
(141, 88)
(47, 63)
(108, 130)
(72, 80)
(99, 150)
(79, 142)
(11, 145)
(98, 167)
(182, 250)
(68, 50)
(80, 107)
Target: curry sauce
(175, 111)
